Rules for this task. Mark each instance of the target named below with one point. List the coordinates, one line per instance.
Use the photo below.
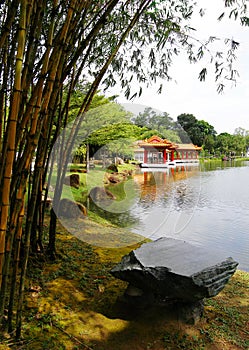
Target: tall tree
(161, 123)
(231, 144)
(195, 130)
(186, 123)
(117, 138)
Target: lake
(206, 204)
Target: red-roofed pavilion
(162, 152)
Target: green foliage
(118, 138)
(113, 132)
(103, 110)
(210, 144)
(198, 131)
(186, 121)
(79, 297)
(46, 46)
(203, 134)
(101, 116)
(241, 131)
(160, 124)
(231, 144)
(101, 124)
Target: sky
(186, 94)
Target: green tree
(245, 134)
(210, 144)
(247, 142)
(118, 139)
(239, 145)
(231, 144)
(196, 130)
(205, 131)
(186, 122)
(161, 123)
(102, 115)
(223, 143)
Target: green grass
(74, 303)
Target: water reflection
(208, 206)
(164, 197)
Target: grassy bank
(236, 159)
(75, 303)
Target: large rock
(172, 269)
(71, 209)
(98, 194)
(72, 180)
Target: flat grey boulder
(176, 270)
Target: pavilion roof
(188, 146)
(156, 141)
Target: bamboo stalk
(10, 18)
(11, 133)
(32, 109)
(54, 63)
(76, 125)
(17, 249)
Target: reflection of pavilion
(154, 183)
(161, 153)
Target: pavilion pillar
(164, 156)
(172, 155)
(145, 156)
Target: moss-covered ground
(75, 303)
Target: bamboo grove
(46, 48)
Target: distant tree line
(188, 129)
(110, 127)
(203, 134)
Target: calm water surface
(203, 205)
